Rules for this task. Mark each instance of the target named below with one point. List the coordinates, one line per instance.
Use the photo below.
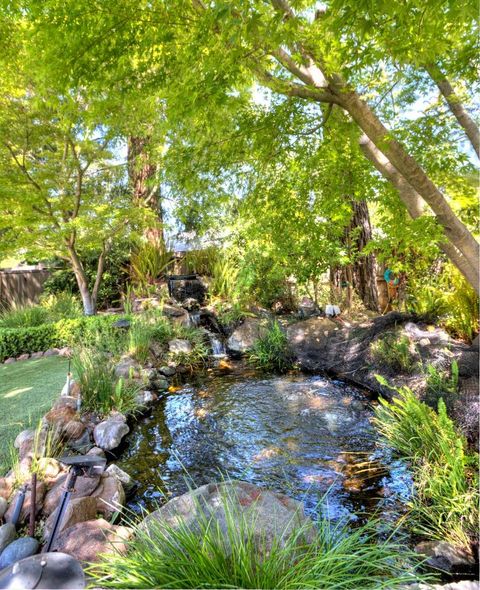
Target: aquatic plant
(446, 498)
(335, 557)
(271, 352)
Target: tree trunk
(456, 106)
(413, 203)
(145, 190)
(89, 303)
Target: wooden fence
(21, 286)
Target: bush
(101, 391)
(395, 352)
(62, 305)
(211, 555)
(271, 352)
(90, 331)
(445, 501)
(201, 262)
(147, 264)
(442, 385)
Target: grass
(271, 351)
(236, 555)
(27, 391)
(446, 498)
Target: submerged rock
(272, 516)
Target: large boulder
(272, 516)
(179, 345)
(109, 433)
(109, 495)
(445, 556)
(88, 541)
(310, 336)
(78, 510)
(246, 335)
(84, 486)
(127, 368)
(7, 535)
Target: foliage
(233, 555)
(148, 263)
(114, 277)
(101, 391)
(271, 351)
(225, 282)
(394, 352)
(90, 331)
(442, 385)
(202, 261)
(446, 498)
(228, 315)
(24, 316)
(61, 305)
(140, 336)
(463, 307)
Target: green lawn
(27, 391)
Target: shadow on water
(297, 434)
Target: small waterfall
(218, 346)
(194, 319)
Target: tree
(61, 192)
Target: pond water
(301, 435)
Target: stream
(307, 436)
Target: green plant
(463, 304)
(63, 305)
(445, 501)
(147, 264)
(27, 316)
(101, 391)
(396, 352)
(234, 555)
(442, 384)
(271, 352)
(225, 283)
(201, 262)
(140, 336)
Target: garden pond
(307, 436)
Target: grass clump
(395, 352)
(271, 352)
(101, 391)
(442, 384)
(446, 498)
(234, 554)
(24, 317)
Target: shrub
(101, 391)
(24, 317)
(17, 341)
(62, 305)
(445, 501)
(442, 385)
(395, 352)
(147, 263)
(211, 555)
(271, 352)
(201, 262)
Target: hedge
(93, 330)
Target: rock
(148, 374)
(177, 345)
(273, 516)
(143, 398)
(246, 335)
(66, 351)
(108, 434)
(97, 452)
(59, 417)
(65, 401)
(123, 477)
(126, 368)
(6, 487)
(185, 287)
(23, 357)
(37, 355)
(24, 442)
(305, 335)
(52, 352)
(167, 371)
(122, 323)
(160, 384)
(424, 342)
(110, 495)
(49, 467)
(78, 510)
(3, 506)
(74, 429)
(7, 535)
(84, 486)
(18, 549)
(41, 490)
(468, 363)
(86, 541)
(82, 444)
(463, 585)
(416, 333)
(308, 308)
(9, 361)
(445, 556)
(467, 409)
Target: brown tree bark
(142, 172)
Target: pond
(306, 436)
